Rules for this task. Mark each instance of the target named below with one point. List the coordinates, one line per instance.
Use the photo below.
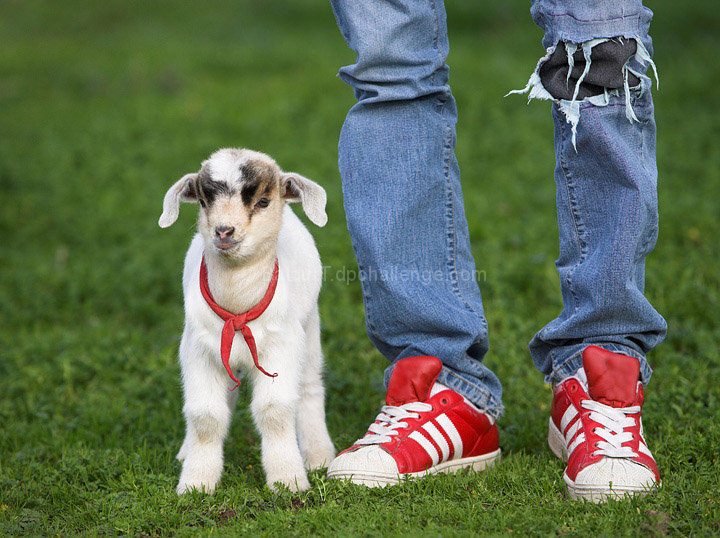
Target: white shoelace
(390, 419)
(614, 420)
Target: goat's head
(241, 195)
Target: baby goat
(251, 282)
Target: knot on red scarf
(238, 322)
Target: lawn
(103, 105)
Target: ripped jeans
(404, 203)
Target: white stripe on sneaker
(569, 414)
(579, 439)
(438, 438)
(572, 430)
(453, 434)
(420, 439)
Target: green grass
(104, 104)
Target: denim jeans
(404, 204)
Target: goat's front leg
(207, 416)
(274, 407)
(232, 397)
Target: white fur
(288, 410)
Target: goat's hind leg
(315, 442)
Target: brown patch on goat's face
(208, 190)
(259, 180)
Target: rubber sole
(592, 493)
(477, 463)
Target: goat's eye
(262, 202)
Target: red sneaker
(417, 434)
(595, 426)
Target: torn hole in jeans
(589, 72)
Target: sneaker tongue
(412, 379)
(612, 378)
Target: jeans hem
(572, 363)
(479, 396)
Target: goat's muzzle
(224, 238)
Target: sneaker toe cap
(621, 475)
(365, 465)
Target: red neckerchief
(238, 322)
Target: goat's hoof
(187, 486)
(294, 483)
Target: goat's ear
(182, 191)
(297, 188)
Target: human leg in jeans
(405, 213)
(594, 353)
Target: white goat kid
(249, 241)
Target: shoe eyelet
(573, 388)
(444, 401)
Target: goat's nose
(224, 231)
